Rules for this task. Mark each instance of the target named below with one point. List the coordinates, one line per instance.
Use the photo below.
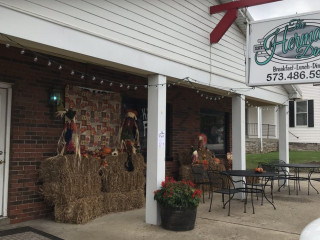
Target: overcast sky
(283, 8)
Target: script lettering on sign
(284, 51)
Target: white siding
(308, 134)
(164, 37)
(268, 115)
(177, 30)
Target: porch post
(284, 133)
(260, 134)
(238, 133)
(155, 143)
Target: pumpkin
(258, 169)
(107, 150)
(217, 160)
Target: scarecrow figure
(70, 127)
(128, 137)
(66, 143)
(200, 155)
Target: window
(301, 113)
(213, 125)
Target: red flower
(191, 183)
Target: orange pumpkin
(217, 160)
(107, 150)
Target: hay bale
(67, 178)
(185, 173)
(118, 202)
(115, 178)
(185, 158)
(117, 163)
(122, 181)
(75, 187)
(79, 211)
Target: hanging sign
(284, 51)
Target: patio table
(251, 173)
(297, 167)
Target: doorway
(5, 119)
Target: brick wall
(35, 132)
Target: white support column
(157, 98)
(259, 122)
(238, 133)
(284, 133)
(260, 134)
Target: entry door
(3, 127)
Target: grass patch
(294, 157)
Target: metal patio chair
(200, 177)
(223, 184)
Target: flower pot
(178, 219)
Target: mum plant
(177, 194)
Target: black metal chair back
(200, 177)
(199, 174)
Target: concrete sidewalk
(293, 213)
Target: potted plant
(178, 202)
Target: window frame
(296, 113)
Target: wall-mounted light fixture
(55, 97)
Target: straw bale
(115, 178)
(219, 167)
(250, 180)
(122, 181)
(185, 173)
(75, 187)
(117, 202)
(79, 211)
(67, 178)
(185, 158)
(117, 163)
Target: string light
(135, 87)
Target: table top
(249, 173)
(298, 165)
